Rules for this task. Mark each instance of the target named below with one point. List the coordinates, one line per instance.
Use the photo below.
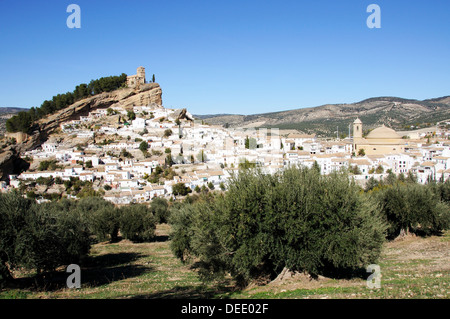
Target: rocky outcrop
(145, 94)
(183, 114)
(126, 98)
(11, 163)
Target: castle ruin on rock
(137, 79)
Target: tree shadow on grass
(344, 273)
(95, 271)
(160, 238)
(189, 292)
(109, 260)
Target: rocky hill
(391, 111)
(126, 98)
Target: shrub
(297, 218)
(48, 165)
(57, 238)
(88, 192)
(181, 220)
(40, 237)
(143, 147)
(88, 164)
(105, 224)
(160, 209)
(442, 190)
(125, 153)
(137, 223)
(13, 210)
(131, 115)
(168, 132)
(180, 189)
(413, 207)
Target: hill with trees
(24, 120)
(394, 112)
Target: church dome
(383, 132)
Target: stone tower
(357, 128)
(141, 72)
(357, 133)
(137, 79)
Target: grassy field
(412, 267)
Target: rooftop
(383, 132)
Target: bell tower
(357, 128)
(357, 133)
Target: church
(380, 141)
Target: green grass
(414, 268)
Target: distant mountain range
(9, 110)
(397, 113)
(5, 113)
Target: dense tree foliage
(48, 165)
(23, 121)
(412, 207)
(20, 123)
(137, 223)
(39, 237)
(181, 189)
(296, 219)
(442, 190)
(160, 208)
(143, 147)
(168, 132)
(42, 237)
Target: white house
(88, 177)
(138, 123)
(132, 183)
(49, 147)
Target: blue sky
(229, 56)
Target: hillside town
(205, 155)
(134, 154)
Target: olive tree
(296, 219)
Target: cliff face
(11, 163)
(145, 94)
(126, 98)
